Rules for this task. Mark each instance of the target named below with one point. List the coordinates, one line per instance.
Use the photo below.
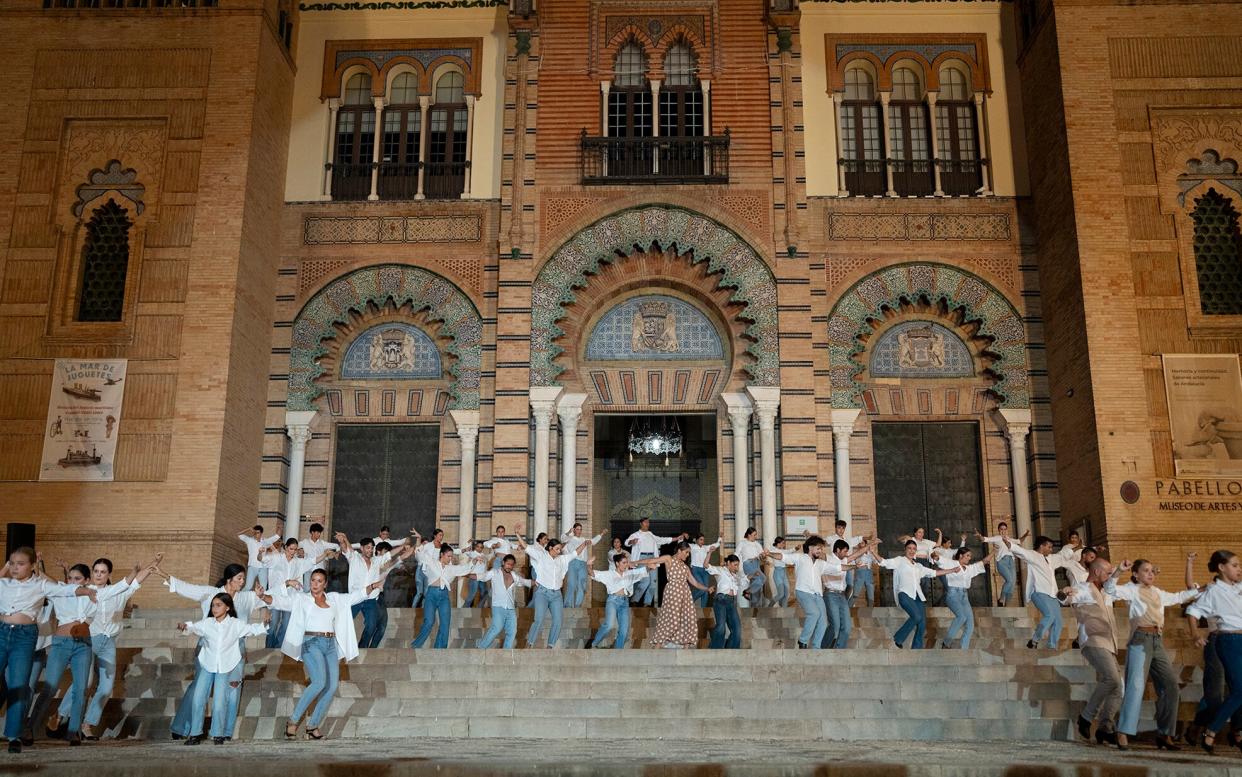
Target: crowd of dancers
(48, 626)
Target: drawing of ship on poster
(82, 392)
(80, 458)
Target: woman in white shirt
(958, 596)
(1221, 603)
(908, 574)
(1145, 656)
(750, 551)
(21, 597)
(780, 578)
(320, 635)
(218, 655)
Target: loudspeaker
(20, 534)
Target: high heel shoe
(291, 730)
(1208, 747)
(1123, 742)
(1165, 742)
(314, 733)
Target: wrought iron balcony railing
(913, 177)
(441, 180)
(666, 160)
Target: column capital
(378, 102)
(767, 402)
(885, 97)
(605, 86)
(423, 101)
(334, 103)
(1016, 424)
(542, 404)
(843, 420)
(931, 100)
(470, 98)
(467, 423)
(738, 406)
(298, 424)
(706, 84)
(569, 409)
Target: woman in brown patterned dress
(677, 625)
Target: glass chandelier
(646, 437)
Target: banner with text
(83, 419)
(1205, 413)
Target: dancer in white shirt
(837, 564)
(286, 568)
(256, 544)
(616, 548)
(426, 550)
(500, 546)
(314, 546)
(478, 556)
(441, 573)
(1004, 559)
(218, 656)
(751, 553)
(502, 580)
(1041, 587)
(907, 575)
(780, 578)
(576, 582)
(620, 587)
(366, 568)
(809, 566)
(643, 545)
(729, 582)
(700, 552)
(860, 576)
(552, 565)
(1221, 604)
(957, 585)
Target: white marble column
(297, 427)
(842, 189)
(375, 153)
(767, 402)
(465, 189)
(886, 134)
(935, 141)
(706, 86)
(842, 427)
(655, 123)
(568, 411)
(467, 423)
(424, 122)
(542, 405)
(605, 87)
(1016, 423)
(985, 144)
(329, 155)
(737, 405)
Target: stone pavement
(614, 758)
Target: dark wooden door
(928, 475)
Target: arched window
(681, 113)
(355, 140)
(862, 145)
(960, 171)
(105, 263)
(909, 147)
(629, 113)
(1218, 255)
(398, 178)
(446, 147)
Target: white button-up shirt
(998, 542)
(728, 583)
(962, 579)
(245, 602)
(808, 572)
(501, 546)
(502, 594)
(253, 546)
(906, 576)
(617, 583)
(315, 548)
(572, 543)
(441, 576)
(924, 547)
(612, 565)
(282, 569)
(25, 597)
(699, 553)
(834, 574)
(1221, 604)
(777, 563)
(1041, 577)
(219, 651)
(549, 572)
(361, 575)
(110, 606)
(1129, 593)
(748, 550)
(644, 542)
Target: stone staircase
(997, 690)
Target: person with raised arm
(619, 583)
(809, 567)
(1221, 605)
(700, 552)
(500, 546)
(1145, 656)
(908, 573)
(839, 527)
(751, 552)
(643, 544)
(219, 635)
(478, 555)
(366, 568)
(1005, 564)
(837, 565)
(1097, 638)
(550, 565)
(576, 581)
(728, 583)
(437, 608)
(957, 592)
(677, 621)
(313, 546)
(285, 569)
(1041, 587)
(426, 550)
(256, 544)
(502, 579)
(1215, 689)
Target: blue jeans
(420, 586)
(324, 670)
(963, 616)
(1229, 650)
(1008, 576)
(616, 614)
(185, 709)
(814, 621)
(837, 636)
(575, 583)
(704, 579)
(477, 590)
(371, 631)
(1049, 621)
(724, 608)
(645, 589)
(546, 601)
(1145, 656)
(502, 618)
(104, 649)
(863, 579)
(757, 579)
(73, 653)
(780, 585)
(276, 630)
(215, 685)
(253, 574)
(436, 610)
(916, 621)
(17, 649)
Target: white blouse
(111, 607)
(962, 579)
(808, 572)
(617, 583)
(320, 619)
(219, 651)
(80, 609)
(299, 607)
(906, 576)
(728, 583)
(549, 572)
(700, 553)
(25, 597)
(748, 550)
(245, 602)
(1220, 603)
(502, 595)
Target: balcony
(440, 181)
(912, 178)
(671, 160)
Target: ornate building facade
(720, 262)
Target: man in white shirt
(729, 584)
(809, 589)
(1041, 587)
(620, 587)
(576, 584)
(437, 609)
(839, 527)
(314, 546)
(365, 569)
(699, 553)
(643, 544)
(552, 565)
(502, 580)
(907, 574)
(836, 564)
(282, 567)
(426, 551)
(255, 544)
(780, 578)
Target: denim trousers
(1229, 650)
(503, 618)
(1145, 657)
(916, 621)
(319, 656)
(1049, 620)
(963, 616)
(17, 649)
(727, 633)
(864, 580)
(575, 583)
(1215, 689)
(185, 709)
(104, 649)
(780, 587)
(436, 611)
(645, 590)
(277, 628)
(1008, 575)
(253, 574)
(215, 685)
(371, 632)
(547, 602)
(73, 653)
(616, 615)
(837, 635)
(704, 579)
(757, 579)
(814, 620)
(420, 586)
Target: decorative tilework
(417, 355)
(883, 51)
(692, 234)
(347, 230)
(979, 302)
(423, 56)
(612, 339)
(378, 284)
(886, 361)
(918, 226)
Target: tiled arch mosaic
(979, 301)
(665, 226)
(402, 284)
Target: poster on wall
(1205, 413)
(83, 419)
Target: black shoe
(1030, 643)
(1084, 728)
(27, 739)
(1074, 644)
(1000, 603)
(197, 739)
(588, 644)
(1165, 742)
(1210, 749)
(175, 736)
(75, 740)
(218, 740)
(899, 645)
(1103, 737)
(944, 645)
(15, 745)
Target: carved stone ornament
(113, 177)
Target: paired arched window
(862, 148)
(105, 264)
(956, 129)
(1218, 254)
(629, 100)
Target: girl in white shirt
(908, 574)
(218, 655)
(750, 551)
(1221, 603)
